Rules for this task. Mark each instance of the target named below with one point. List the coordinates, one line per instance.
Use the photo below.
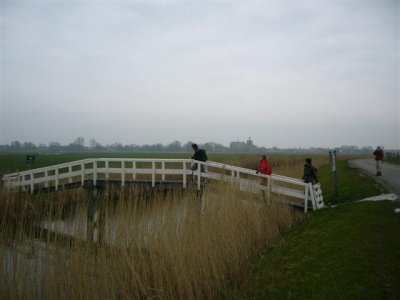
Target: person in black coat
(199, 154)
(310, 172)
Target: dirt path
(390, 172)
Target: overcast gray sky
(285, 73)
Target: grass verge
(351, 184)
(348, 252)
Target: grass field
(348, 252)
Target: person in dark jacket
(378, 158)
(199, 154)
(310, 172)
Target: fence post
(70, 171)
(184, 175)
(107, 171)
(94, 172)
(122, 173)
(332, 158)
(83, 174)
(306, 199)
(198, 176)
(134, 170)
(163, 171)
(313, 202)
(153, 173)
(56, 178)
(46, 176)
(32, 184)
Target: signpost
(30, 159)
(332, 158)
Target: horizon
(87, 142)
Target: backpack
(203, 155)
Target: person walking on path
(310, 172)
(378, 159)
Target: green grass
(350, 251)
(351, 185)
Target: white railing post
(163, 171)
(312, 196)
(184, 175)
(107, 171)
(21, 181)
(70, 171)
(122, 173)
(198, 176)
(56, 178)
(153, 174)
(269, 182)
(46, 176)
(94, 172)
(306, 199)
(134, 170)
(32, 183)
(83, 174)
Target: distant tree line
(80, 145)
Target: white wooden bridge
(127, 171)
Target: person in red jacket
(378, 158)
(264, 167)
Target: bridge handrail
(252, 172)
(91, 160)
(18, 179)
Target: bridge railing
(157, 170)
(86, 169)
(249, 180)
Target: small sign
(30, 159)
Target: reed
(173, 246)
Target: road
(390, 173)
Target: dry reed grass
(171, 246)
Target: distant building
(243, 147)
